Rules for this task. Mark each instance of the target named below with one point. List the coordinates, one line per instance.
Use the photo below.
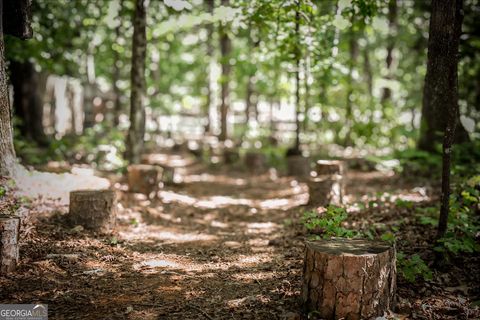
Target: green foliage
(328, 224)
(463, 221)
(413, 267)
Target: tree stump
(298, 166)
(143, 178)
(93, 209)
(255, 162)
(9, 233)
(349, 278)
(325, 190)
(230, 155)
(328, 167)
(168, 176)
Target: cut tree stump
(328, 167)
(9, 233)
(298, 166)
(143, 178)
(349, 278)
(255, 162)
(231, 155)
(168, 176)
(325, 190)
(93, 209)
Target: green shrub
(328, 224)
(413, 267)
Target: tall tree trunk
(116, 76)
(392, 25)
(225, 49)
(17, 24)
(209, 96)
(27, 101)
(441, 84)
(440, 96)
(353, 48)
(297, 80)
(136, 131)
(89, 91)
(367, 68)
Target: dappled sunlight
(165, 235)
(47, 185)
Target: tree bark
(440, 93)
(353, 49)
(392, 25)
(441, 86)
(93, 209)
(349, 278)
(27, 100)
(9, 233)
(297, 81)
(17, 18)
(116, 77)
(209, 57)
(225, 49)
(136, 131)
(17, 24)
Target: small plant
(413, 267)
(327, 224)
(463, 223)
(388, 237)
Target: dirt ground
(222, 244)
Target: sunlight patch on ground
(261, 227)
(225, 201)
(205, 177)
(48, 185)
(163, 234)
(253, 277)
(236, 303)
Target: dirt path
(214, 247)
(221, 245)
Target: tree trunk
(17, 24)
(353, 49)
(297, 80)
(209, 96)
(392, 25)
(225, 49)
(349, 278)
(367, 68)
(440, 93)
(27, 101)
(116, 77)
(136, 131)
(441, 86)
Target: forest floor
(223, 244)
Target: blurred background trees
(311, 76)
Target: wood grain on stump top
(357, 247)
(326, 167)
(349, 279)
